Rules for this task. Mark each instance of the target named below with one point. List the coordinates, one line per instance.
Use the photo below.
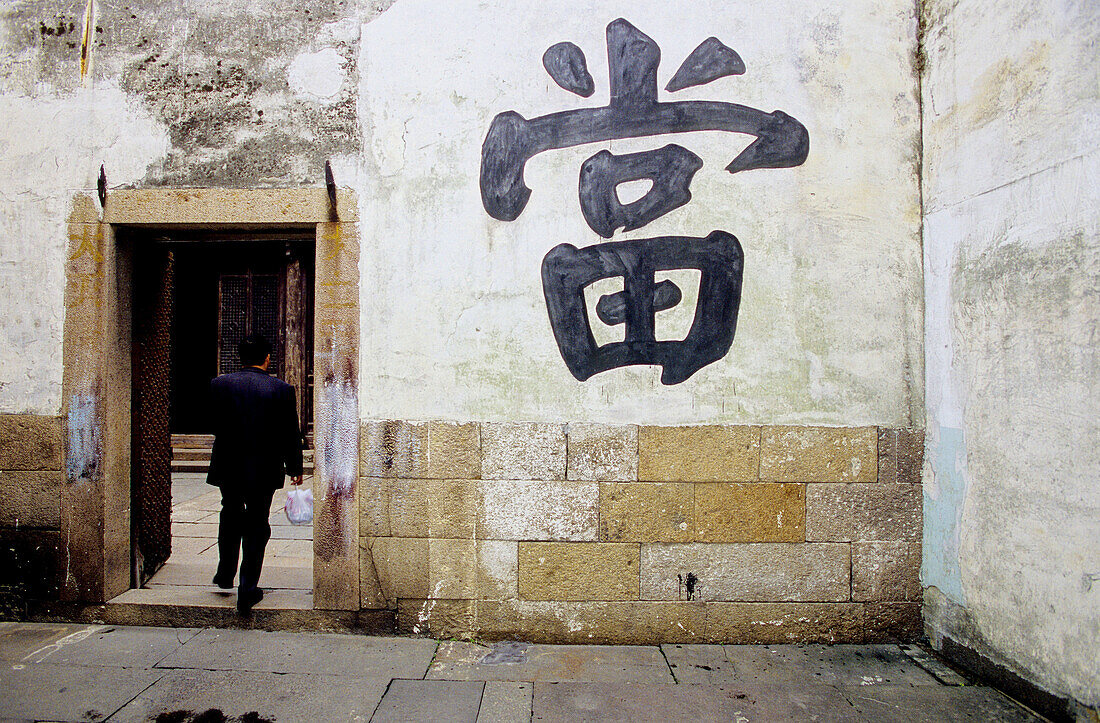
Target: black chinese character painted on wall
(633, 112)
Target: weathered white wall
(51, 146)
(454, 323)
(1012, 256)
(174, 94)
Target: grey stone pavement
(72, 672)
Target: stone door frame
(95, 501)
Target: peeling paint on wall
(945, 486)
(341, 447)
(84, 448)
(54, 143)
(1012, 242)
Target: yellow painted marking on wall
(85, 290)
(86, 40)
(87, 247)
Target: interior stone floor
(287, 576)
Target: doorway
(197, 294)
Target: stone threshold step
(207, 440)
(288, 610)
(203, 465)
(195, 454)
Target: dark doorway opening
(226, 289)
(196, 295)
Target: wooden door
(151, 470)
(276, 305)
(251, 303)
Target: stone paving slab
(45, 691)
(633, 702)
(187, 486)
(347, 655)
(858, 665)
(19, 640)
(195, 596)
(87, 672)
(522, 662)
(272, 576)
(208, 501)
(191, 547)
(117, 646)
(699, 664)
(180, 514)
(941, 704)
(208, 530)
(290, 548)
(506, 702)
(273, 696)
(291, 532)
(407, 701)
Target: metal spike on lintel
(101, 186)
(330, 185)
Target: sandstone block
(900, 455)
(861, 512)
(472, 569)
(752, 512)
(228, 205)
(578, 571)
(454, 450)
(886, 571)
(374, 507)
(393, 449)
(711, 453)
(818, 454)
(83, 210)
(523, 450)
(775, 623)
(421, 450)
(647, 512)
(33, 562)
(433, 508)
(371, 596)
(452, 569)
(888, 622)
(401, 566)
(336, 580)
(763, 572)
(534, 510)
(31, 499)
(30, 442)
(539, 621)
(602, 452)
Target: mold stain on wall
(217, 78)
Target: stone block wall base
(652, 623)
(31, 484)
(582, 533)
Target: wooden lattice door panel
(296, 365)
(151, 479)
(250, 303)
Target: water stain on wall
(216, 78)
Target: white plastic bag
(299, 506)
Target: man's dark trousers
(243, 524)
(256, 442)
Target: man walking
(256, 434)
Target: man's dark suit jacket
(256, 432)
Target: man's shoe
(223, 583)
(246, 599)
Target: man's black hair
(254, 349)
